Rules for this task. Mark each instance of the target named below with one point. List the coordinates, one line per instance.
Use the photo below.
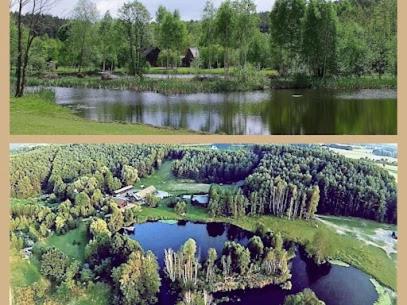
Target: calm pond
(335, 285)
(256, 113)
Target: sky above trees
(188, 9)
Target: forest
(298, 39)
(59, 189)
(294, 181)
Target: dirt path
(381, 238)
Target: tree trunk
(19, 51)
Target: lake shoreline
(200, 83)
(160, 213)
(40, 114)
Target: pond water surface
(256, 113)
(335, 285)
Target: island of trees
(58, 188)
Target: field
(164, 180)
(363, 153)
(72, 244)
(38, 114)
(369, 232)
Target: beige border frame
(6, 139)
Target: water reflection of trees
(316, 112)
(215, 229)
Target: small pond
(335, 285)
(256, 113)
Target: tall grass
(301, 81)
(165, 86)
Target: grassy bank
(39, 114)
(369, 259)
(215, 71)
(337, 83)
(164, 86)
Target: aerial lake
(335, 285)
(255, 113)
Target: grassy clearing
(23, 272)
(164, 180)
(72, 243)
(38, 114)
(345, 248)
(98, 294)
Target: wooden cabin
(190, 56)
(151, 56)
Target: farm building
(124, 190)
(190, 56)
(141, 195)
(151, 55)
(201, 200)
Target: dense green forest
(298, 38)
(294, 181)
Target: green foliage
(134, 18)
(305, 297)
(226, 201)
(256, 246)
(213, 166)
(54, 265)
(172, 31)
(286, 34)
(137, 281)
(319, 37)
(129, 175)
(319, 247)
(83, 35)
(319, 180)
(116, 221)
(152, 200)
(180, 208)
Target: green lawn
(35, 114)
(23, 272)
(72, 243)
(99, 294)
(164, 180)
